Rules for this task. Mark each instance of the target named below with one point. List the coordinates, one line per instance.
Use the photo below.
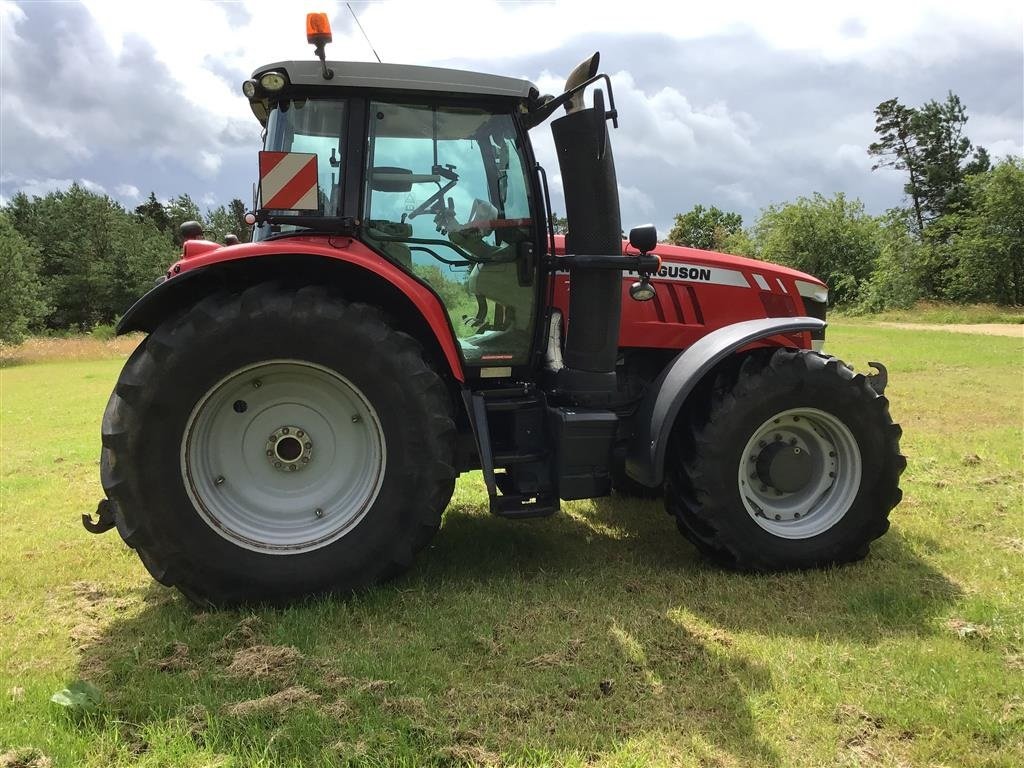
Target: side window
(446, 198)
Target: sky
(736, 104)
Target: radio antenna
(349, 5)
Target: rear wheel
(797, 465)
(277, 443)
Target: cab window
(447, 198)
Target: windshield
(313, 126)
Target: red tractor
(297, 415)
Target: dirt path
(985, 329)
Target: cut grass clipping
(593, 638)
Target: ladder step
(506, 459)
(521, 507)
(511, 404)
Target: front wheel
(275, 443)
(796, 465)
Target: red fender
(346, 249)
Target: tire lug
(355, 418)
(219, 480)
(319, 513)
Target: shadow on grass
(595, 632)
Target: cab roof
(406, 77)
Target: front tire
(276, 443)
(796, 465)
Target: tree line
(959, 238)
(73, 259)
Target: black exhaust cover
(592, 210)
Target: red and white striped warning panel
(288, 181)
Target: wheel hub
(290, 449)
(785, 467)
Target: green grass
(941, 313)
(596, 637)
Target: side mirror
(644, 238)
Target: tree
(179, 210)
(21, 302)
(706, 228)
(154, 211)
(988, 247)
(237, 210)
(560, 224)
(95, 258)
(929, 144)
(830, 238)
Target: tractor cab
(430, 168)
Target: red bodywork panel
(202, 253)
(698, 292)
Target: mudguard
(645, 459)
(225, 267)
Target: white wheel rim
(283, 457)
(830, 457)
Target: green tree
(706, 228)
(21, 293)
(903, 272)
(928, 143)
(988, 247)
(154, 211)
(830, 238)
(179, 210)
(237, 210)
(218, 224)
(94, 257)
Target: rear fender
(645, 459)
(354, 275)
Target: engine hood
(679, 253)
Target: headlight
(272, 82)
(249, 88)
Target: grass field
(596, 637)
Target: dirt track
(985, 329)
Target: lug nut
(284, 430)
(219, 480)
(308, 446)
(299, 433)
(277, 464)
(270, 453)
(319, 512)
(256, 384)
(355, 418)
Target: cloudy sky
(736, 104)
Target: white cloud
(209, 162)
(92, 186)
(208, 199)
(127, 191)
